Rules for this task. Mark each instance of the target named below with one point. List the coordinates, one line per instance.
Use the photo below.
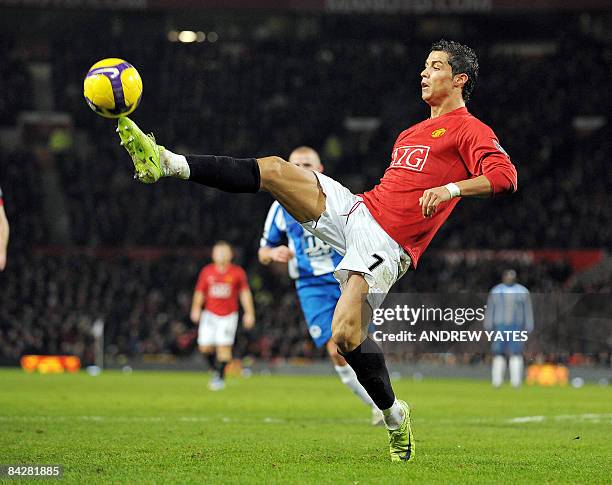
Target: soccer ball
(112, 88)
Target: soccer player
(4, 233)
(311, 265)
(508, 309)
(220, 285)
(381, 232)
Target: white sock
(174, 165)
(393, 416)
(498, 370)
(349, 378)
(516, 370)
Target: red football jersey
(221, 289)
(450, 148)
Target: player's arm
(246, 301)
(488, 319)
(492, 171)
(528, 313)
(197, 303)
(280, 254)
(271, 248)
(4, 236)
(199, 298)
(477, 187)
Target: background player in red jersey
(4, 233)
(381, 232)
(215, 309)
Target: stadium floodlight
(187, 36)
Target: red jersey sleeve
(243, 282)
(202, 284)
(483, 155)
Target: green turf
(151, 427)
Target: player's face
(222, 254)
(309, 161)
(509, 277)
(436, 78)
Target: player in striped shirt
(311, 263)
(508, 309)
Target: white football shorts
(216, 329)
(350, 229)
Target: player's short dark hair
(463, 60)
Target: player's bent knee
(338, 360)
(224, 353)
(332, 351)
(346, 334)
(269, 170)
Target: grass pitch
(149, 427)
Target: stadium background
(89, 243)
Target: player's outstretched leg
(349, 332)
(295, 188)
(349, 379)
(142, 148)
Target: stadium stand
(232, 96)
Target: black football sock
(221, 369)
(368, 362)
(211, 359)
(237, 175)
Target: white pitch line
(146, 419)
(589, 417)
(527, 419)
(273, 420)
(585, 417)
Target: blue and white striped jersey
(312, 257)
(509, 305)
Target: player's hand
(281, 254)
(248, 321)
(195, 316)
(432, 198)
(2, 260)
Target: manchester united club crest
(438, 133)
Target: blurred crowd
(268, 88)
(268, 84)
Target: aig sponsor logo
(410, 157)
(220, 290)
